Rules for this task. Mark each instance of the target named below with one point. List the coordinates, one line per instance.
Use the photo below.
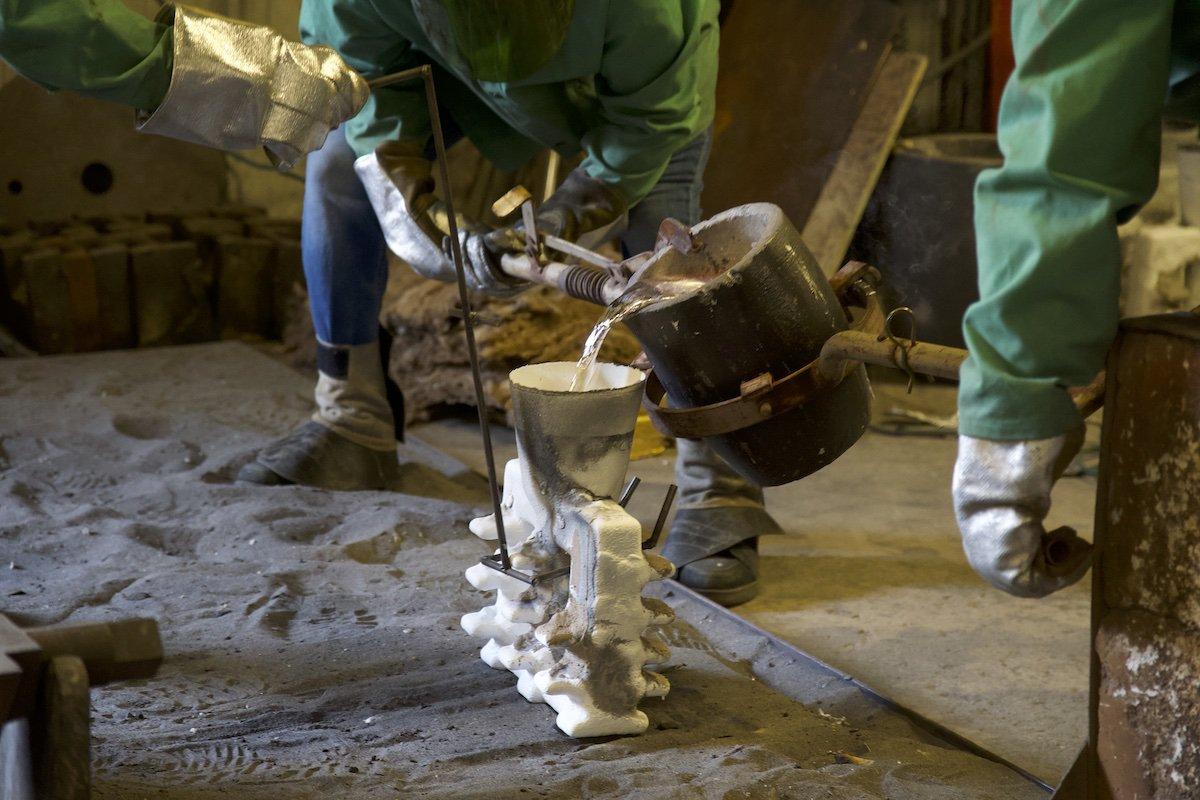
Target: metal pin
(533, 247)
(901, 349)
(663, 513)
(476, 317)
(630, 488)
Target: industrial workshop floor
(312, 639)
(870, 578)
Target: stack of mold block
(86, 284)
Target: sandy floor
(870, 577)
(312, 637)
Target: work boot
(350, 442)
(713, 540)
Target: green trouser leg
(1080, 129)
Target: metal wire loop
(901, 348)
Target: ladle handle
(924, 358)
(577, 280)
(866, 347)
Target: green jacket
(98, 48)
(1080, 128)
(633, 83)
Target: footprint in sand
(162, 453)
(176, 540)
(276, 608)
(142, 427)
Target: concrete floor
(870, 577)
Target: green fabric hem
(1016, 415)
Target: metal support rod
(425, 72)
(582, 253)
(661, 522)
(398, 77)
(923, 358)
(630, 488)
(464, 297)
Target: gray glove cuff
(235, 86)
(1001, 498)
(583, 209)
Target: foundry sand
(312, 638)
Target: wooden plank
(10, 679)
(84, 299)
(953, 39)
(114, 291)
(14, 291)
(288, 282)
(245, 288)
(19, 658)
(792, 81)
(50, 328)
(845, 194)
(172, 294)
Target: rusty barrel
(1144, 709)
(763, 307)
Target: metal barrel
(765, 307)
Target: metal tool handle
(868, 348)
(577, 280)
(924, 358)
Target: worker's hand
(583, 210)
(237, 86)
(1001, 498)
(482, 253)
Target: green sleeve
(1080, 129)
(97, 48)
(655, 87)
(359, 33)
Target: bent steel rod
(425, 72)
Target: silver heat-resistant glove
(399, 183)
(237, 86)
(1001, 498)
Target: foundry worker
(631, 84)
(192, 75)
(1080, 127)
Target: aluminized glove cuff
(1001, 498)
(398, 218)
(235, 86)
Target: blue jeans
(345, 256)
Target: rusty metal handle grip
(843, 350)
(867, 348)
